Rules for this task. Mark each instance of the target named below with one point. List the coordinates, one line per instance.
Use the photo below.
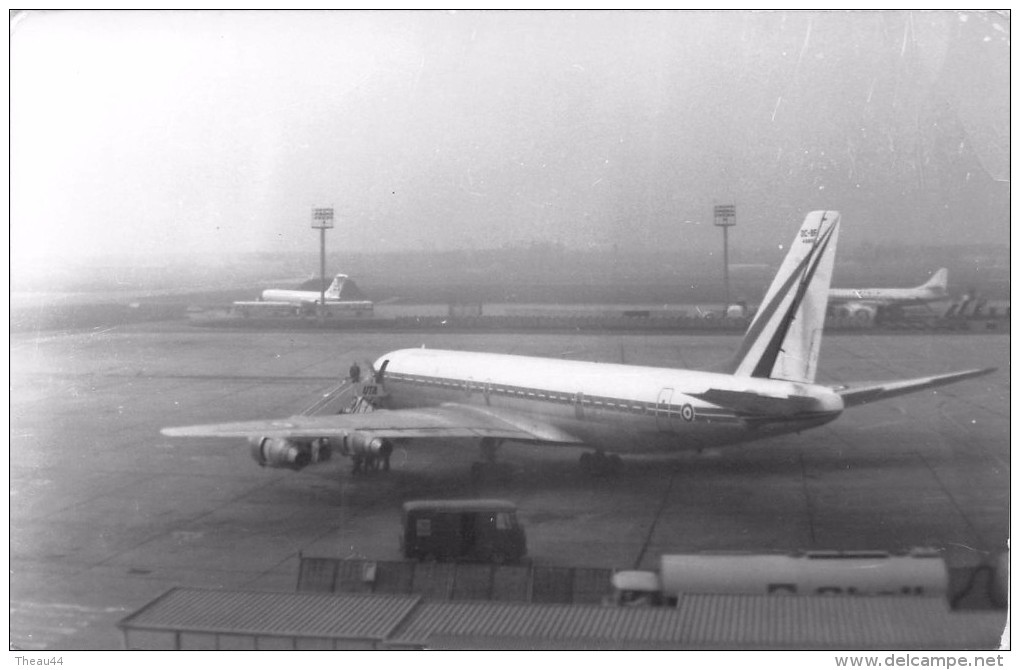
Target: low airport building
(202, 619)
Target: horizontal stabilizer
(864, 392)
(752, 404)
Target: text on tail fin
(783, 340)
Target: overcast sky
(180, 132)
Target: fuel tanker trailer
(919, 572)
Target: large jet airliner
(307, 301)
(864, 303)
(426, 394)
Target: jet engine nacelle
(272, 452)
(359, 444)
(857, 311)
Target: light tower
(726, 216)
(322, 218)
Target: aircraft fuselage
(885, 296)
(620, 408)
(310, 298)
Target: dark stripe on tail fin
(764, 315)
(768, 359)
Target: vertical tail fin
(333, 292)
(785, 336)
(938, 281)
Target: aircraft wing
(861, 393)
(449, 420)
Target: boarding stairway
(344, 398)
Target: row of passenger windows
(523, 392)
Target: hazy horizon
(152, 134)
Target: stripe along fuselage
(623, 408)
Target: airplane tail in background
(784, 339)
(333, 292)
(938, 281)
(345, 289)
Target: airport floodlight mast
(322, 218)
(726, 216)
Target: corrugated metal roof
(747, 622)
(347, 616)
(527, 621)
(705, 621)
(439, 642)
(698, 622)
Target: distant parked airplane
(426, 394)
(307, 301)
(864, 303)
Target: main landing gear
(489, 468)
(372, 462)
(598, 464)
